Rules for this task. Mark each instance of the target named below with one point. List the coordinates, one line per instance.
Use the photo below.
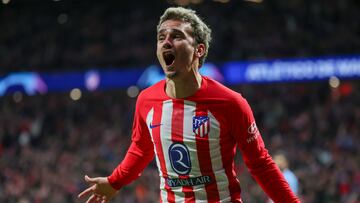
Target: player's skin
(182, 75)
(182, 80)
(100, 190)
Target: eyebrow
(171, 30)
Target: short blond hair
(201, 32)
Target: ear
(200, 50)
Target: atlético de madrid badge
(201, 125)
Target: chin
(171, 75)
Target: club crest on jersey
(180, 158)
(201, 125)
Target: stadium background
(49, 141)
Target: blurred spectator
(282, 162)
(290, 177)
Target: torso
(193, 144)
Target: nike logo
(154, 126)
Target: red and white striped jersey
(194, 141)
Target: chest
(188, 134)
(186, 122)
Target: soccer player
(193, 126)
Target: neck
(182, 88)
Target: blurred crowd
(71, 35)
(48, 143)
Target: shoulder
(219, 90)
(235, 102)
(155, 90)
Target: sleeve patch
(253, 132)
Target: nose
(167, 43)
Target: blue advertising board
(231, 73)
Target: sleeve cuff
(114, 183)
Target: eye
(161, 37)
(177, 36)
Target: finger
(86, 192)
(92, 199)
(92, 180)
(104, 200)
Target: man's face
(281, 161)
(176, 48)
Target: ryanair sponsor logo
(176, 182)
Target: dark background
(47, 35)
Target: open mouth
(169, 58)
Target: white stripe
(163, 193)
(206, 127)
(149, 119)
(165, 133)
(189, 140)
(216, 159)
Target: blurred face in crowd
(177, 51)
(281, 161)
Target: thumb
(91, 180)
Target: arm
(257, 159)
(138, 156)
(103, 189)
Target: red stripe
(203, 130)
(157, 139)
(202, 145)
(177, 129)
(208, 127)
(228, 160)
